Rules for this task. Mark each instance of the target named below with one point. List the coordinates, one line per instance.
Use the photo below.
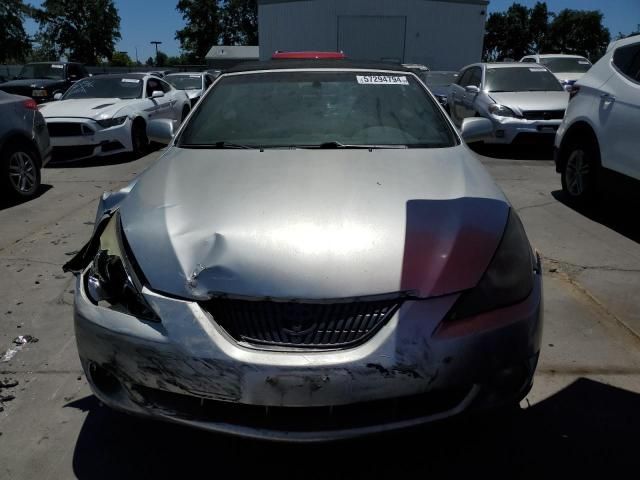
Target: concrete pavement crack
(30, 260)
(527, 207)
(575, 266)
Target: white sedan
(108, 114)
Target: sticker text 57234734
(382, 80)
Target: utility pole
(156, 43)
(137, 61)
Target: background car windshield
(111, 87)
(280, 109)
(440, 79)
(185, 82)
(51, 71)
(566, 65)
(521, 79)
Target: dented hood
(313, 224)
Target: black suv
(42, 80)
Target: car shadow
(543, 151)
(614, 211)
(588, 429)
(116, 159)
(12, 202)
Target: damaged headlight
(111, 122)
(509, 278)
(502, 111)
(111, 280)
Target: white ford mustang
(108, 114)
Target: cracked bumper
(187, 370)
(512, 130)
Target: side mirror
(160, 131)
(157, 94)
(57, 96)
(568, 87)
(472, 89)
(476, 129)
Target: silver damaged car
(317, 255)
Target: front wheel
(20, 172)
(139, 139)
(580, 174)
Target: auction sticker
(57, 66)
(130, 80)
(381, 80)
(537, 69)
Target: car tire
(580, 172)
(139, 139)
(19, 172)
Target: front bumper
(94, 142)
(413, 371)
(514, 130)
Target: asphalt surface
(581, 418)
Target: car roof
(553, 55)
(511, 65)
(121, 75)
(53, 62)
(174, 74)
(317, 64)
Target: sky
(144, 20)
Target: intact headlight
(111, 122)
(39, 93)
(111, 280)
(507, 281)
(501, 111)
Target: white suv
(599, 138)
(568, 69)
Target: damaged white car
(317, 255)
(108, 114)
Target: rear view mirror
(472, 89)
(57, 96)
(160, 131)
(157, 94)
(476, 129)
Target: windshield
(521, 79)
(106, 87)
(319, 108)
(566, 65)
(185, 82)
(440, 79)
(51, 71)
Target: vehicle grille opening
(65, 129)
(300, 324)
(70, 153)
(339, 417)
(543, 114)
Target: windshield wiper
(336, 145)
(221, 145)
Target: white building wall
(444, 35)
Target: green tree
(579, 32)
(539, 28)
(87, 30)
(149, 62)
(120, 59)
(14, 42)
(521, 31)
(202, 30)
(161, 59)
(239, 22)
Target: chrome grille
(543, 114)
(301, 324)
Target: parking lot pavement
(580, 418)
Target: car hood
(313, 224)
(95, 108)
(568, 76)
(532, 100)
(31, 83)
(193, 93)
